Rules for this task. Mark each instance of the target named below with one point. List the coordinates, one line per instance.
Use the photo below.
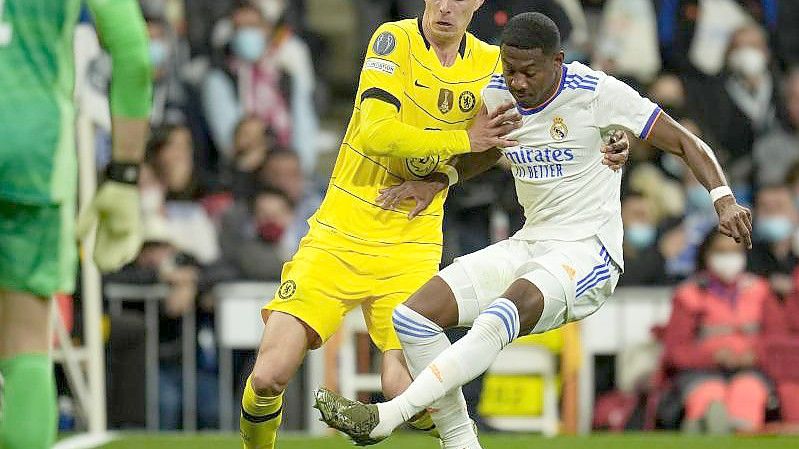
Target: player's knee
(269, 381)
(436, 302)
(529, 302)
(409, 323)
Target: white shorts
(575, 278)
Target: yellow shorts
(331, 274)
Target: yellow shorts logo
(287, 289)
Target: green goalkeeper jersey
(37, 139)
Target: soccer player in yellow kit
(419, 92)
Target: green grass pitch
(500, 441)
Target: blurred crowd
(232, 168)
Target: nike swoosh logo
(417, 84)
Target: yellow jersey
(409, 119)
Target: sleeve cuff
(649, 123)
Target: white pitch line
(86, 441)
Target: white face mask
(727, 265)
(748, 61)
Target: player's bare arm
(616, 152)
(424, 190)
(734, 220)
(490, 129)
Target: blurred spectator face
(159, 47)
(272, 10)
(273, 214)
(157, 249)
(447, 20)
(748, 53)
(668, 91)
(639, 223)
(175, 163)
(775, 214)
(725, 258)
(155, 254)
(250, 144)
(249, 39)
(697, 198)
(792, 98)
(283, 171)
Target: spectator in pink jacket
(711, 340)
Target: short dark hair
(530, 30)
(280, 152)
(704, 248)
(269, 190)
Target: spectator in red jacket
(717, 320)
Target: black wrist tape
(124, 172)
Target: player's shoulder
(496, 92)
(391, 37)
(483, 53)
(580, 78)
(577, 68)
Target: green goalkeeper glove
(115, 209)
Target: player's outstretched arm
(423, 191)
(734, 220)
(386, 135)
(115, 207)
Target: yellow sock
(260, 418)
(424, 422)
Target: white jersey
(566, 192)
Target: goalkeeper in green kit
(38, 179)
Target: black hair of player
(530, 30)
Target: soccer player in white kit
(566, 260)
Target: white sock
(469, 357)
(422, 341)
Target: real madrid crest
(466, 101)
(446, 98)
(558, 130)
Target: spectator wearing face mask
(265, 71)
(739, 106)
(773, 255)
(169, 93)
(627, 45)
(718, 318)
(645, 264)
(684, 239)
(282, 170)
(775, 152)
(253, 235)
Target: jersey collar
(539, 108)
(461, 49)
